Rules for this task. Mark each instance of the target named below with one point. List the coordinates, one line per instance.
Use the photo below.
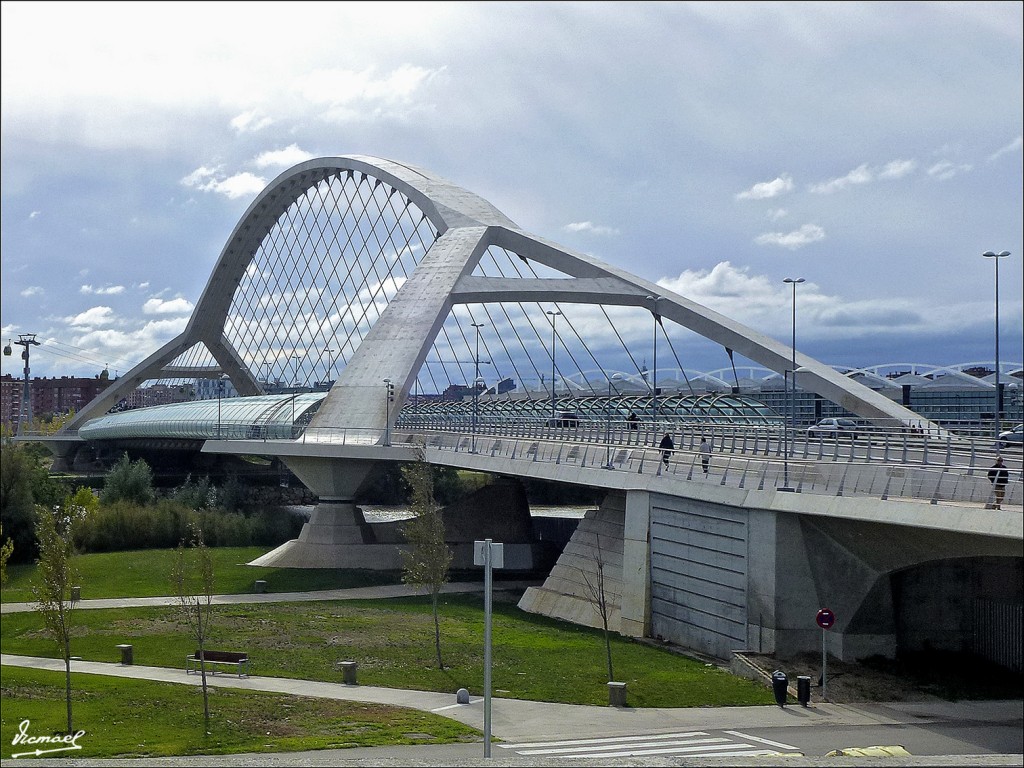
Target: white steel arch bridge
(386, 281)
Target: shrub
(128, 481)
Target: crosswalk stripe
(606, 740)
(676, 746)
(691, 742)
(770, 743)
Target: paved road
(542, 733)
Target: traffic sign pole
(825, 619)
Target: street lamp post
(608, 423)
(654, 367)
(999, 395)
(330, 364)
(295, 374)
(789, 448)
(389, 398)
(553, 314)
(476, 382)
(220, 395)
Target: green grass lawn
(124, 718)
(147, 573)
(533, 657)
(392, 640)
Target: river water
(374, 513)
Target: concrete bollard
(126, 655)
(462, 696)
(617, 694)
(348, 670)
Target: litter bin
(617, 694)
(348, 669)
(779, 685)
(126, 654)
(803, 689)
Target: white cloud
(92, 318)
(945, 169)
(798, 238)
(110, 290)
(211, 180)
(251, 121)
(768, 189)
(859, 175)
(282, 158)
(35, 214)
(775, 214)
(897, 169)
(588, 226)
(32, 290)
(171, 307)
(1013, 146)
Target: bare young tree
(55, 575)
(427, 557)
(192, 574)
(598, 597)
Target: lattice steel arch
(397, 340)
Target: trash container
(348, 669)
(126, 654)
(779, 685)
(617, 694)
(803, 689)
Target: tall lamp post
(330, 364)
(999, 394)
(654, 367)
(476, 382)
(220, 396)
(553, 314)
(608, 423)
(789, 448)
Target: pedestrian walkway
(356, 593)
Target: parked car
(564, 419)
(835, 427)
(1011, 438)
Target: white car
(834, 427)
(1012, 438)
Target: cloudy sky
(873, 149)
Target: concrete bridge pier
(337, 535)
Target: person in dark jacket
(667, 447)
(999, 476)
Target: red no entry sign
(825, 618)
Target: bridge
(409, 287)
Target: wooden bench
(239, 660)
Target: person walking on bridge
(999, 476)
(667, 446)
(705, 454)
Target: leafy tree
(128, 481)
(55, 576)
(25, 482)
(5, 553)
(427, 557)
(195, 494)
(192, 575)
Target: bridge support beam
(337, 535)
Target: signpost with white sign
(489, 555)
(825, 619)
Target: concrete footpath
(514, 720)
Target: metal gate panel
(699, 577)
